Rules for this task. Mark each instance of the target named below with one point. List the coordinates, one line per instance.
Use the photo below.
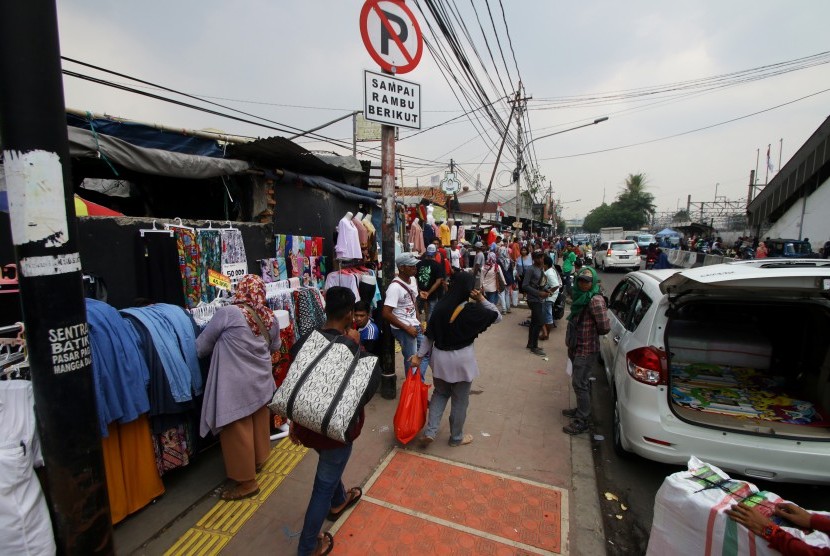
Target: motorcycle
(650, 260)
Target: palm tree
(635, 200)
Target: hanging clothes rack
(177, 223)
(156, 230)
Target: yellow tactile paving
(218, 526)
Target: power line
(691, 130)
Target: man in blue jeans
(400, 309)
(329, 498)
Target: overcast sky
(301, 64)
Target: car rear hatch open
(747, 348)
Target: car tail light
(638, 250)
(609, 253)
(647, 365)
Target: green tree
(635, 201)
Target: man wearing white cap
(400, 309)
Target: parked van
(724, 362)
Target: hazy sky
(301, 64)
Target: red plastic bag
(411, 414)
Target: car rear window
(623, 245)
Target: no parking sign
(391, 35)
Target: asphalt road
(634, 481)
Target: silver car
(621, 253)
(729, 363)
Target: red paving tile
(375, 530)
(500, 506)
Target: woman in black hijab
(454, 325)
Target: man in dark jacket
(533, 287)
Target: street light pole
(521, 150)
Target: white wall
(816, 219)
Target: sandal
(323, 551)
(236, 494)
(468, 438)
(334, 516)
(259, 468)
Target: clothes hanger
(156, 230)
(179, 224)
(208, 229)
(230, 226)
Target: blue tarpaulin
(147, 136)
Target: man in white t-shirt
(400, 310)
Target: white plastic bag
(569, 368)
(689, 512)
(514, 297)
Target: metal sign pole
(44, 233)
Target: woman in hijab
(492, 278)
(454, 325)
(241, 338)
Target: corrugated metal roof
(279, 152)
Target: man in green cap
(587, 321)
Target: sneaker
(575, 428)
(538, 351)
(425, 441)
(569, 412)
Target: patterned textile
(210, 251)
(189, 265)
(280, 269)
(251, 291)
(327, 399)
(294, 267)
(173, 448)
(279, 244)
(309, 310)
(309, 246)
(281, 360)
(298, 245)
(284, 299)
(267, 270)
(233, 249)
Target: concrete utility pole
(387, 188)
(519, 105)
(45, 237)
(496, 165)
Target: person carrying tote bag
(329, 498)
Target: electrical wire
(691, 130)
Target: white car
(729, 363)
(621, 253)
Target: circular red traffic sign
(391, 34)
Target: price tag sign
(235, 272)
(219, 280)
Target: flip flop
(334, 516)
(328, 536)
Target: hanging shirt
(416, 238)
(24, 516)
(444, 232)
(348, 240)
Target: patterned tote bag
(326, 387)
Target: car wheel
(616, 431)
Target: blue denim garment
(118, 367)
(328, 491)
(177, 351)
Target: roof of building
(808, 168)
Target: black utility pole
(44, 233)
